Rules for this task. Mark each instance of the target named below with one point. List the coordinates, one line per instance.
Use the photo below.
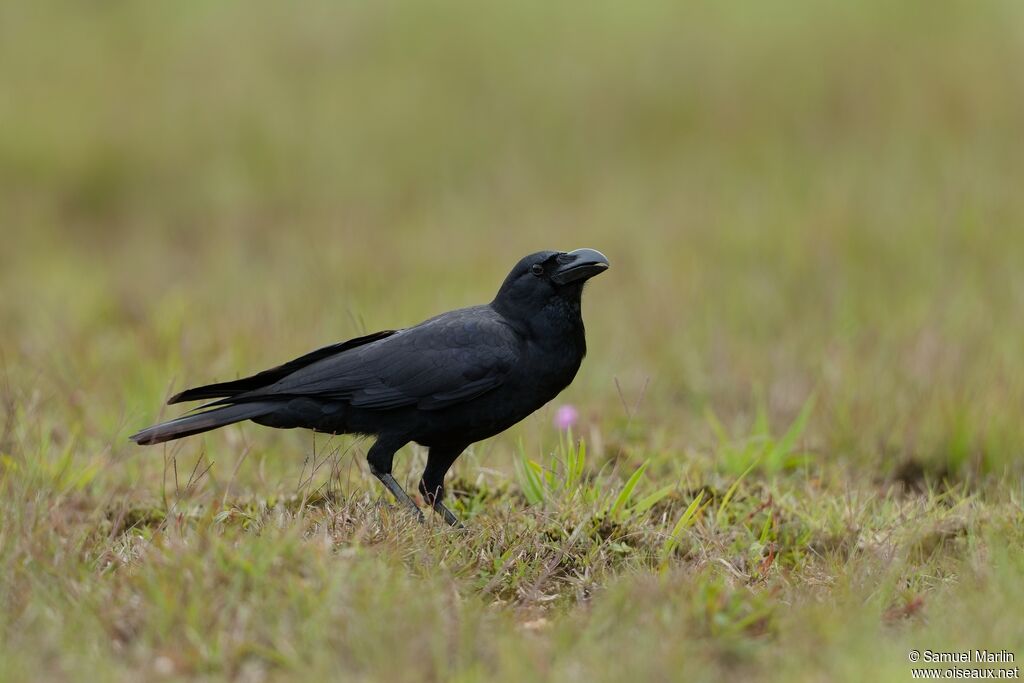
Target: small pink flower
(566, 417)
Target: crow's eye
(537, 269)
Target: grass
(799, 454)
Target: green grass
(800, 452)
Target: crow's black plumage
(446, 383)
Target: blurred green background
(795, 197)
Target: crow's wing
(267, 377)
(446, 360)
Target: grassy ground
(809, 344)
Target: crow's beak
(581, 264)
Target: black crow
(446, 383)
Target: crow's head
(540, 278)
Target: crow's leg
(439, 461)
(380, 457)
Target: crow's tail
(202, 422)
